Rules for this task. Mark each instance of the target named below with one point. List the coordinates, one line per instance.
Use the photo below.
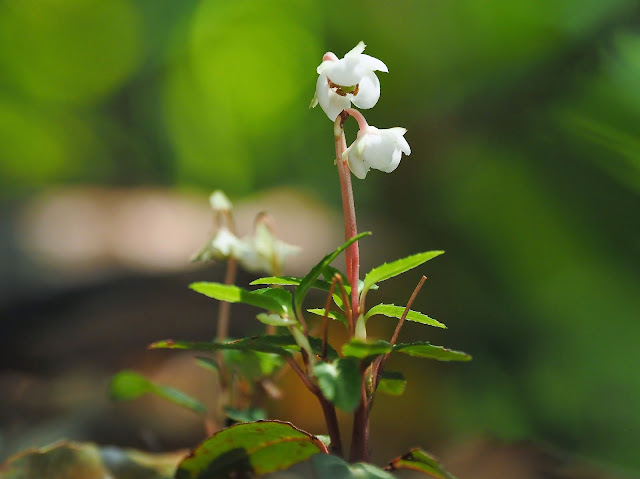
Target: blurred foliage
(524, 121)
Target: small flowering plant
(347, 376)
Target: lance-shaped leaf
(292, 281)
(309, 280)
(389, 270)
(127, 385)
(392, 383)
(423, 349)
(357, 348)
(248, 450)
(276, 302)
(337, 315)
(245, 415)
(420, 461)
(339, 381)
(275, 320)
(393, 311)
(277, 344)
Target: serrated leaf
(363, 349)
(249, 449)
(276, 344)
(421, 461)
(393, 311)
(339, 381)
(309, 280)
(392, 383)
(235, 294)
(275, 320)
(245, 415)
(423, 349)
(389, 270)
(336, 315)
(128, 385)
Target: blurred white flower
(378, 149)
(219, 201)
(263, 252)
(223, 245)
(346, 80)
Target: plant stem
(360, 434)
(328, 409)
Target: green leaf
(87, 461)
(389, 270)
(393, 311)
(292, 281)
(234, 294)
(421, 461)
(340, 382)
(252, 365)
(423, 349)
(249, 449)
(392, 383)
(327, 466)
(127, 385)
(309, 280)
(245, 415)
(363, 349)
(275, 320)
(276, 344)
(207, 363)
(337, 315)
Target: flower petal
(345, 72)
(368, 91)
(373, 63)
(357, 50)
(355, 162)
(330, 101)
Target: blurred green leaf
(275, 320)
(389, 270)
(393, 311)
(423, 349)
(392, 383)
(357, 348)
(420, 461)
(327, 466)
(275, 302)
(248, 449)
(209, 364)
(245, 415)
(340, 382)
(128, 385)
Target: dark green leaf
(127, 385)
(393, 311)
(337, 315)
(392, 383)
(309, 280)
(363, 349)
(421, 461)
(340, 382)
(252, 365)
(245, 415)
(276, 344)
(234, 294)
(244, 450)
(327, 466)
(423, 349)
(389, 270)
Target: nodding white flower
(220, 247)
(219, 201)
(378, 149)
(346, 80)
(263, 252)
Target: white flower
(378, 149)
(346, 80)
(219, 201)
(220, 247)
(263, 252)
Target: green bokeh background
(524, 123)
